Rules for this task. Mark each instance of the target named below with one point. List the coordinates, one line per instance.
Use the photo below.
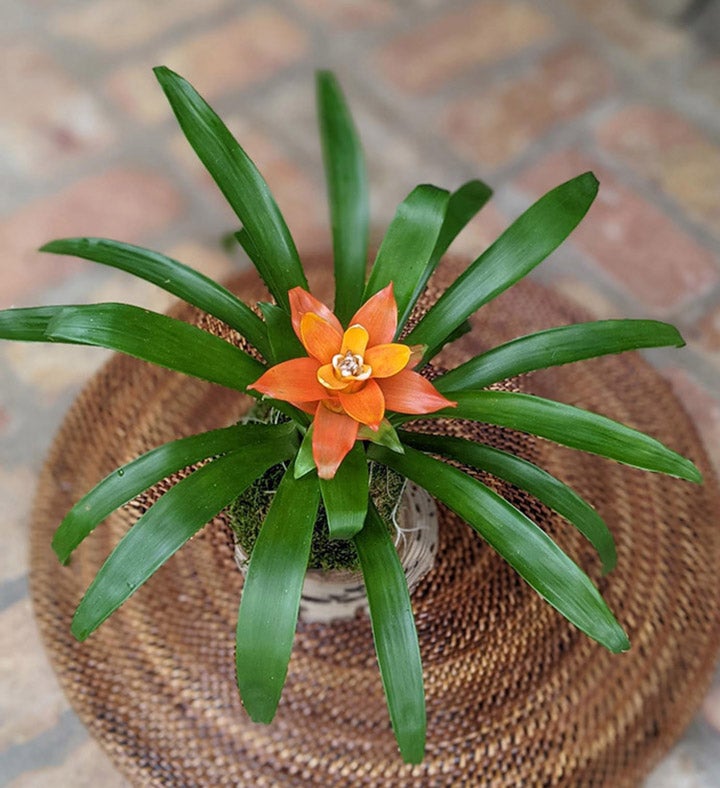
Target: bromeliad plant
(344, 383)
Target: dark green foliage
(248, 511)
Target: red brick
(498, 123)
(708, 330)
(50, 120)
(625, 25)
(589, 298)
(663, 147)
(234, 55)
(441, 50)
(124, 204)
(132, 22)
(639, 246)
(702, 406)
(350, 14)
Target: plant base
(339, 594)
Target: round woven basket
(516, 695)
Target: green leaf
(156, 338)
(243, 238)
(525, 244)
(463, 205)
(271, 595)
(347, 194)
(127, 481)
(527, 548)
(396, 641)
(346, 495)
(557, 346)
(304, 462)
(406, 249)
(170, 275)
(244, 188)
(284, 343)
(28, 324)
(385, 435)
(523, 474)
(168, 524)
(570, 426)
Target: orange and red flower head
(349, 377)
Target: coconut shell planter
(428, 433)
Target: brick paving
(521, 94)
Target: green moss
(249, 509)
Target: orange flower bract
(349, 377)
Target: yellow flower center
(350, 366)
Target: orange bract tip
(410, 392)
(379, 316)
(293, 381)
(301, 302)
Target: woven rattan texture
(516, 696)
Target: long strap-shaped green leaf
(527, 476)
(170, 275)
(527, 548)
(557, 346)
(396, 641)
(129, 480)
(406, 249)
(571, 426)
(345, 496)
(462, 206)
(271, 595)
(168, 524)
(347, 194)
(141, 333)
(28, 324)
(239, 180)
(525, 244)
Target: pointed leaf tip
(693, 473)
(274, 253)
(162, 72)
(623, 643)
